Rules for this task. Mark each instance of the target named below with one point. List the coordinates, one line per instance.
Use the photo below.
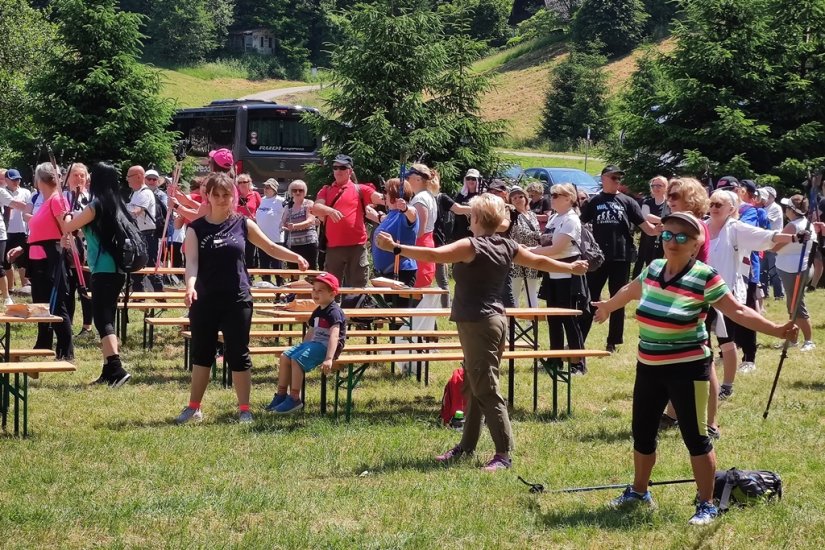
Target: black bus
(268, 140)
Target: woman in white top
(787, 264)
(419, 176)
(269, 216)
(560, 241)
(731, 243)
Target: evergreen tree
(617, 25)
(576, 100)
(744, 89)
(402, 94)
(94, 100)
(187, 31)
(27, 36)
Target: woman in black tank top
(218, 293)
(481, 266)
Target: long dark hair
(104, 188)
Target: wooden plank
(362, 348)
(36, 367)
(43, 319)
(184, 321)
(459, 355)
(538, 312)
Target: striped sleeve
(715, 287)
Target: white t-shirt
(269, 216)
(426, 199)
(16, 223)
(775, 216)
(787, 259)
(5, 201)
(144, 198)
(565, 224)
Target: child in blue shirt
(323, 342)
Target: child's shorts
(308, 354)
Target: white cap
(152, 174)
(472, 173)
(770, 190)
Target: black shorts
(15, 240)
(687, 387)
(219, 312)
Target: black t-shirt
(612, 218)
(221, 258)
(323, 319)
(445, 220)
(649, 248)
(461, 228)
(541, 206)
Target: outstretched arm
(459, 251)
(630, 291)
(743, 315)
(526, 258)
(257, 237)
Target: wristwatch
(396, 250)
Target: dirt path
(269, 95)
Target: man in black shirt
(461, 228)
(613, 216)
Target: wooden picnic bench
(20, 390)
(150, 323)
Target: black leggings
(744, 337)
(309, 252)
(686, 386)
(106, 288)
(560, 293)
(45, 275)
(85, 303)
(221, 312)
(616, 275)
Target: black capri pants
(686, 386)
(106, 289)
(221, 312)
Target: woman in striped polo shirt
(674, 360)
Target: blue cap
(13, 174)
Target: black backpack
(590, 250)
(160, 214)
(133, 254)
(745, 487)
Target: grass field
(197, 86)
(107, 468)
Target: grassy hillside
(521, 82)
(197, 86)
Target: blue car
(551, 176)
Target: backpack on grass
(453, 398)
(745, 487)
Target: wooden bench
(16, 355)
(20, 391)
(551, 360)
(187, 336)
(149, 324)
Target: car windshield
(576, 177)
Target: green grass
(221, 68)
(499, 58)
(548, 162)
(106, 468)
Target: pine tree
(576, 100)
(399, 94)
(616, 25)
(95, 100)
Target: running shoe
(667, 422)
(747, 366)
(706, 512)
(578, 368)
(117, 380)
(277, 400)
(498, 462)
(8, 301)
(630, 498)
(289, 406)
(84, 333)
(725, 392)
(245, 417)
(453, 454)
(611, 348)
(808, 346)
(189, 414)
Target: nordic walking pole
(538, 488)
(169, 192)
(396, 266)
(796, 299)
(78, 267)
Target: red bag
(453, 399)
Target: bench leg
(337, 386)
(17, 404)
(25, 405)
(186, 364)
(323, 393)
(535, 386)
(350, 386)
(511, 375)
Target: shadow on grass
(818, 386)
(601, 517)
(420, 464)
(605, 436)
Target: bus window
(272, 131)
(207, 132)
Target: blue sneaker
(706, 512)
(631, 498)
(277, 400)
(289, 406)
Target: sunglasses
(717, 205)
(297, 191)
(657, 186)
(338, 167)
(681, 238)
(414, 172)
(556, 195)
(674, 196)
(614, 178)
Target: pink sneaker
(498, 462)
(453, 454)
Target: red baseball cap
(328, 279)
(222, 157)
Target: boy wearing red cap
(324, 341)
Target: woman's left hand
(789, 331)
(66, 241)
(384, 241)
(303, 264)
(579, 267)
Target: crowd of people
(706, 260)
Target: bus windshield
(206, 131)
(269, 130)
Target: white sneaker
(189, 414)
(747, 366)
(807, 346)
(8, 301)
